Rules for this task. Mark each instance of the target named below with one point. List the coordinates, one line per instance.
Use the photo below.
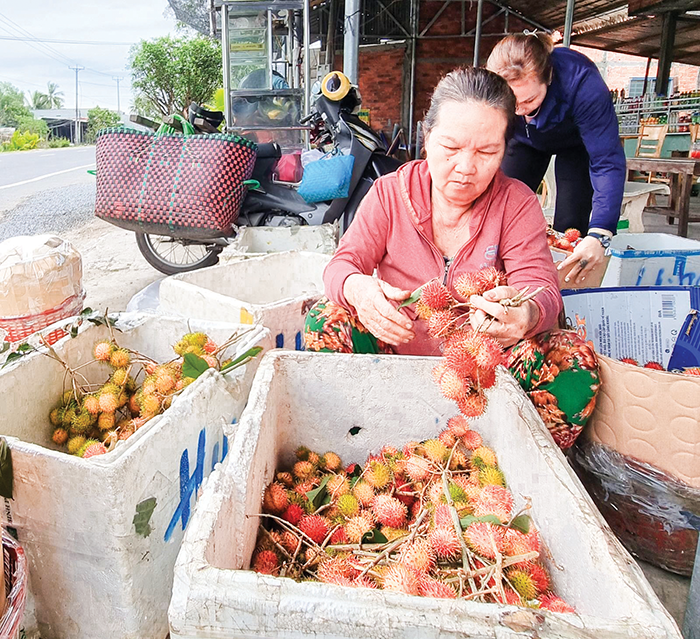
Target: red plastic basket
(15, 329)
(15, 587)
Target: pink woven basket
(15, 564)
(15, 329)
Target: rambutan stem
(285, 524)
(272, 539)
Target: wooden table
(681, 172)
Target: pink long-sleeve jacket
(392, 232)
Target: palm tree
(54, 95)
(39, 100)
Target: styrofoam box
(315, 399)
(91, 573)
(273, 239)
(274, 290)
(653, 259)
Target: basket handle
(184, 125)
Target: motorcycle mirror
(335, 86)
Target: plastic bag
(327, 179)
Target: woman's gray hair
(472, 84)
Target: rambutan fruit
(149, 385)
(554, 604)
(539, 575)
(150, 404)
(485, 538)
(429, 587)
(436, 373)
(304, 487)
(443, 517)
(339, 536)
(444, 542)
(468, 284)
(315, 527)
(133, 402)
(389, 511)
(293, 514)
(519, 543)
(165, 382)
(275, 499)
(471, 440)
(436, 296)
(522, 582)
(460, 360)
(303, 470)
(377, 475)
(484, 456)
(266, 562)
(60, 436)
(91, 404)
(358, 526)
(494, 500)
(81, 422)
(348, 506)
(655, 366)
(447, 438)
(56, 416)
(457, 493)
(289, 541)
(364, 493)
(392, 534)
(285, 478)
(86, 444)
(124, 432)
(485, 378)
(492, 277)
(210, 347)
(120, 358)
(103, 350)
(692, 370)
(122, 399)
(441, 323)
(119, 377)
(572, 235)
(629, 360)
(458, 425)
(400, 578)
(473, 404)
(423, 310)
(418, 555)
(435, 450)
(106, 421)
(491, 475)
(93, 449)
(335, 570)
(67, 416)
(330, 461)
(486, 350)
(512, 598)
(417, 468)
(436, 493)
(197, 340)
(108, 402)
(338, 485)
(211, 360)
(74, 444)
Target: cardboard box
(651, 415)
(353, 405)
(653, 259)
(592, 281)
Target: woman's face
(530, 93)
(464, 150)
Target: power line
(54, 41)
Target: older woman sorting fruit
(455, 225)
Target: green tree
(12, 107)
(54, 95)
(30, 124)
(169, 73)
(39, 100)
(99, 118)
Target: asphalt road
(46, 190)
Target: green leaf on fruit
(319, 496)
(142, 518)
(415, 296)
(241, 359)
(521, 523)
(86, 311)
(194, 366)
(374, 537)
(467, 521)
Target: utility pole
(119, 110)
(76, 139)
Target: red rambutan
(572, 235)
(629, 360)
(472, 440)
(443, 517)
(266, 562)
(389, 511)
(485, 538)
(97, 448)
(400, 578)
(358, 526)
(429, 587)
(315, 527)
(468, 284)
(458, 425)
(655, 366)
(447, 438)
(473, 404)
(364, 493)
(555, 604)
(436, 296)
(417, 468)
(275, 499)
(441, 323)
(444, 542)
(293, 514)
(494, 500)
(453, 385)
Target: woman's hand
(370, 298)
(510, 323)
(588, 254)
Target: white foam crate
(275, 290)
(91, 574)
(273, 239)
(315, 399)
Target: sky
(29, 66)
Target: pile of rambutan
(565, 241)
(89, 419)
(470, 356)
(434, 519)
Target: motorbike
(334, 125)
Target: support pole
(77, 136)
(351, 42)
(413, 53)
(668, 37)
(226, 54)
(568, 22)
(477, 37)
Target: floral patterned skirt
(558, 370)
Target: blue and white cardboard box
(660, 324)
(653, 259)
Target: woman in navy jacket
(565, 109)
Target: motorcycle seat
(269, 150)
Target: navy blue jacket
(578, 109)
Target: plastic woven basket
(15, 329)
(190, 186)
(15, 587)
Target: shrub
(58, 143)
(22, 141)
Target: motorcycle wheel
(171, 255)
